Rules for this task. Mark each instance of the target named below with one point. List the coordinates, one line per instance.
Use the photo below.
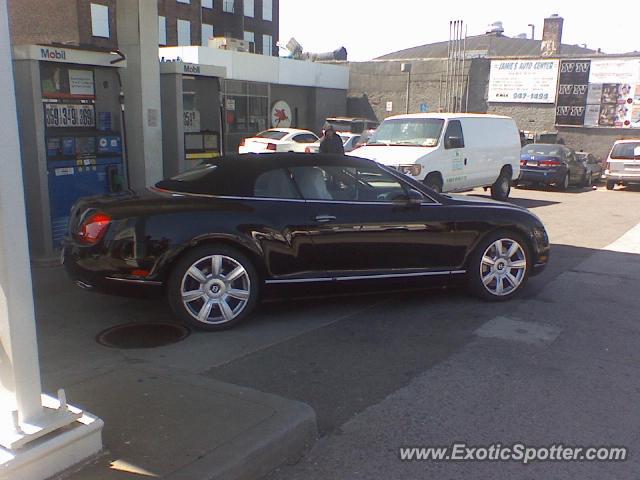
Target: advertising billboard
(599, 93)
(523, 81)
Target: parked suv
(623, 164)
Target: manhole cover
(142, 335)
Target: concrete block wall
(529, 116)
(595, 140)
(373, 84)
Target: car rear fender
(165, 264)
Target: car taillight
(523, 163)
(607, 167)
(242, 142)
(550, 163)
(93, 228)
(271, 146)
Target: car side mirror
(453, 142)
(411, 198)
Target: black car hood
(454, 199)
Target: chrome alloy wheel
(503, 267)
(215, 289)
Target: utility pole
(406, 68)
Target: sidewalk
(162, 419)
(561, 369)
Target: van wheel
(610, 185)
(434, 182)
(502, 187)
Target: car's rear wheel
(502, 187)
(499, 267)
(563, 185)
(213, 287)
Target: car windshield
(272, 134)
(625, 151)
(538, 149)
(423, 132)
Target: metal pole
(446, 83)
(463, 53)
(408, 89)
(454, 78)
(466, 103)
(440, 94)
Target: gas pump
(84, 152)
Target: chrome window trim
(270, 199)
(367, 277)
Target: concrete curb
(284, 438)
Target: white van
(449, 151)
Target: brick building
(92, 23)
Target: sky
(370, 28)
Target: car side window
(275, 184)
(305, 138)
(453, 137)
(348, 184)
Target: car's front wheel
(213, 287)
(499, 266)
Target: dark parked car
(593, 167)
(551, 164)
(211, 238)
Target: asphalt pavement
(367, 369)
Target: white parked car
(349, 140)
(281, 140)
(449, 151)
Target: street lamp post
(406, 68)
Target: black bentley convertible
(211, 238)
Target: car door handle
(324, 218)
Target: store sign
(523, 81)
(81, 82)
(191, 121)
(61, 115)
(281, 115)
(599, 93)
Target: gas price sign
(63, 115)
